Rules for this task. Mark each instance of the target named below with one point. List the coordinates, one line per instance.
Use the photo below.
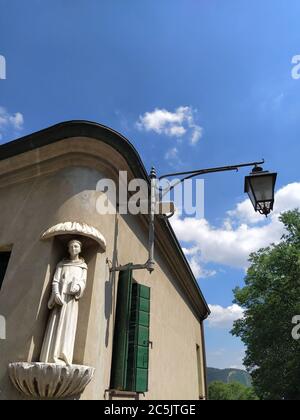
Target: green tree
(271, 298)
(233, 391)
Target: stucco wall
(28, 209)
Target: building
(48, 195)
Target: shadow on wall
(57, 254)
(25, 311)
(90, 252)
(110, 285)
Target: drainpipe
(151, 262)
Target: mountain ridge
(229, 375)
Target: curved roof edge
(78, 128)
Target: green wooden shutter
(4, 259)
(138, 355)
(120, 345)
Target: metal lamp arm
(192, 174)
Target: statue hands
(58, 299)
(55, 299)
(75, 289)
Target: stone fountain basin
(49, 380)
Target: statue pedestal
(49, 380)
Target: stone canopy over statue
(68, 287)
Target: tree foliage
(233, 391)
(271, 298)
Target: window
(4, 259)
(130, 362)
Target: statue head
(74, 248)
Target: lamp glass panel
(262, 186)
(250, 192)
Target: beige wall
(29, 208)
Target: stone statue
(67, 288)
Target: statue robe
(59, 339)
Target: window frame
(129, 371)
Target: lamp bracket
(191, 174)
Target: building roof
(72, 129)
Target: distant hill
(228, 375)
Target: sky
(192, 84)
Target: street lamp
(260, 186)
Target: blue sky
(228, 64)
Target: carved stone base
(48, 380)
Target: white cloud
(10, 122)
(273, 103)
(197, 134)
(172, 124)
(226, 358)
(199, 271)
(286, 198)
(172, 154)
(241, 233)
(175, 131)
(17, 121)
(226, 245)
(196, 264)
(224, 317)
